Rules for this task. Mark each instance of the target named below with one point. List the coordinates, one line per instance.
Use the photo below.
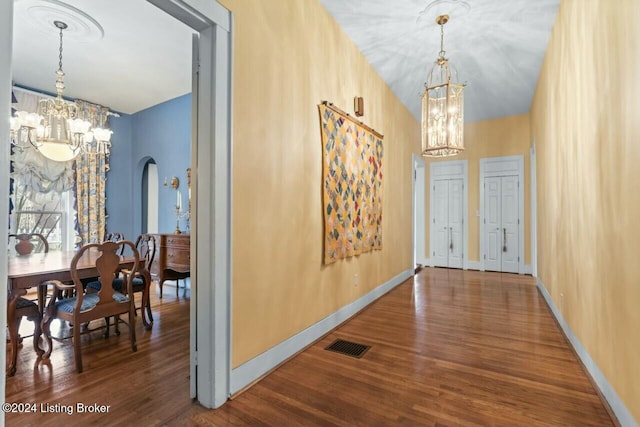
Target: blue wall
(161, 133)
(119, 177)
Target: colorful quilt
(352, 186)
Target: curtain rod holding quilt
(339, 111)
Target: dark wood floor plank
(448, 347)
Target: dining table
(29, 271)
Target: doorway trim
(6, 46)
(419, 214)
(211, 201)
(503, 166)
(452, 169)
(533, 220)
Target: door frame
(452, 169)
(419, 214)
(6, 46)
(503, 166)
(211, 254)
(533, 219)
(211, 203)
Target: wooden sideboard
(173, 258)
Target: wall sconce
(358, 106)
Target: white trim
(453, 169)
(6, 45)
(426, 262)
(419, 250)
(528, 269)
(617, 406)
(473, 265)
(503, 166)
(533, 220)
(212, 198)
(260, 365)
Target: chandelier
(61, 129)
(442, 107)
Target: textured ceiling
(133, 56)
(127, 54)
(497, 46)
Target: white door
(456, 219)
(448, 219)
(419, 218)
(501, 224)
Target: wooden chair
(25, 307)
(85, 307)
(30, 310)
(114, 237)
(146, 245)
(25, 245)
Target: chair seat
(24, 303)
(117, 284)
(88, 302)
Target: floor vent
(348, 348)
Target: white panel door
(456, 218)
(510, 242)
(448, 223)
(492, 224)
(501, 218)
(440, 251)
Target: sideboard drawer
(178, 258)
(176, 241)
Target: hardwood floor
(448, 348)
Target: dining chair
(146, 245)
(25, 242)
(25, 307)
(87, 306)
(29, 309)
(114, 236)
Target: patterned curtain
(85, 175)
(91, 170)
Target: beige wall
(508, 136)
(288, 56)
(585, 119)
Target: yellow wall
(508, 136)
(288, 56)
(585, 119)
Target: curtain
(91, 176)
(29, 166)
(91, 170)
(85, 175)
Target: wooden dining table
(29, 271)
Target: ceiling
(129, 55)
(497, 46)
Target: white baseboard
(617, 406)
(426, 262)
(528, 269)
(473, 265)
(255, 368)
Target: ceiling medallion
(457, 8)
(80, 26)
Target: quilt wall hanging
(351, 185)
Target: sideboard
(173, 258)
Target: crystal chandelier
(57, 129)
(442, 107)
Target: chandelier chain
(60, 55)
(442, 52)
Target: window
(50, 214)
